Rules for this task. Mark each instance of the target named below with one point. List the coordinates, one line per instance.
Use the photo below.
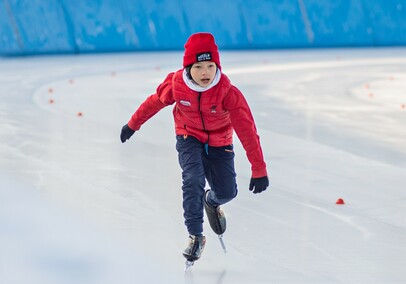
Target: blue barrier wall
(77, 26)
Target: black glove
(259, 184)
(126, 133)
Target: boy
(207, 110)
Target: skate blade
(222, 243)
(188, 264)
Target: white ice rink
(78, 206)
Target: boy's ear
(187, 68)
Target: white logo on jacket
(185, 103)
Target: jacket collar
(195, 87)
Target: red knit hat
(201, 47)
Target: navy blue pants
(199, 163)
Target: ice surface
(78, 206)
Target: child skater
(207, 108)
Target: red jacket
(209, 116)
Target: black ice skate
(194, 250)
(216, 216)
(195, 247)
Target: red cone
(340, 201)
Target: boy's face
(203, 73)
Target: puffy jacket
(209, 116)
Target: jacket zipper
(201, 116)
